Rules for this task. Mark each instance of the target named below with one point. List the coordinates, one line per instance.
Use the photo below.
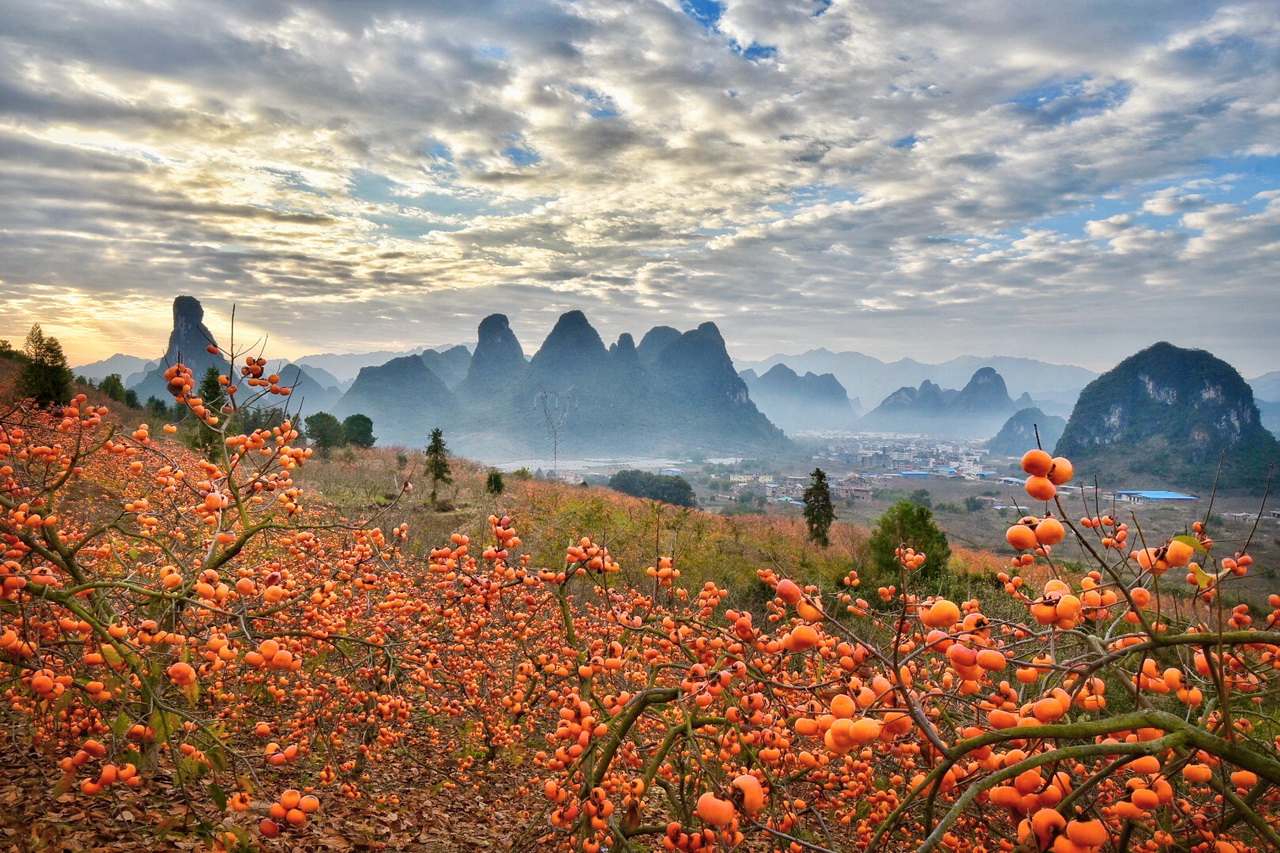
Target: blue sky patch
(1066, 101)
(521, 156)
(705, 12)
(753, 51)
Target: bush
(910, 525)
(668, 488)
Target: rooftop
(1157, 495)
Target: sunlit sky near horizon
(1068, 181)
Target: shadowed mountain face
(451, 365)
(1165, 416)
(403, 398)
(675, 393)
(701, 397)
(655, 341)
(798, 403)
(1018, 435)
(498, 362)
(188, 344)
(986, 392)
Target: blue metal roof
(1157, 495)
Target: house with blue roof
(1139, 496)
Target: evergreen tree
(158, 408)
(210, 392)
(494, 485)
(818, 511)
(210, 389)
(908, 525)
(358, 429)
(45, 376)
(437, 462)
(113, 386)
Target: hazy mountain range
(1053, 386)
(673, 392)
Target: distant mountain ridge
(1166, 416)
(124, 365)
(977, 410)
(189, 344)
(1266, 387)
(870, 378)
(797, 403)
(676, 393)
(346, 366)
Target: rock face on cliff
(701, 402)
(798, 403)
(1018, 435)
(976, 410)
(1164, 417)
(404, 399)
(674, 393)
(188, 344)
(498, 362)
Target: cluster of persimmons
(169, 616)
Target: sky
(1068, 181)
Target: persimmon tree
(167, 614)
(164, 612)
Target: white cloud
(891, 177)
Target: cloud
(908, 179)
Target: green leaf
(1204, 581)
(120, 725)
(61, 703)
(1192, 541)
(243, 837)
(219, 796)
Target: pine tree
(437, 462)
(210, 391)
(45, 376)
(818, 511)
